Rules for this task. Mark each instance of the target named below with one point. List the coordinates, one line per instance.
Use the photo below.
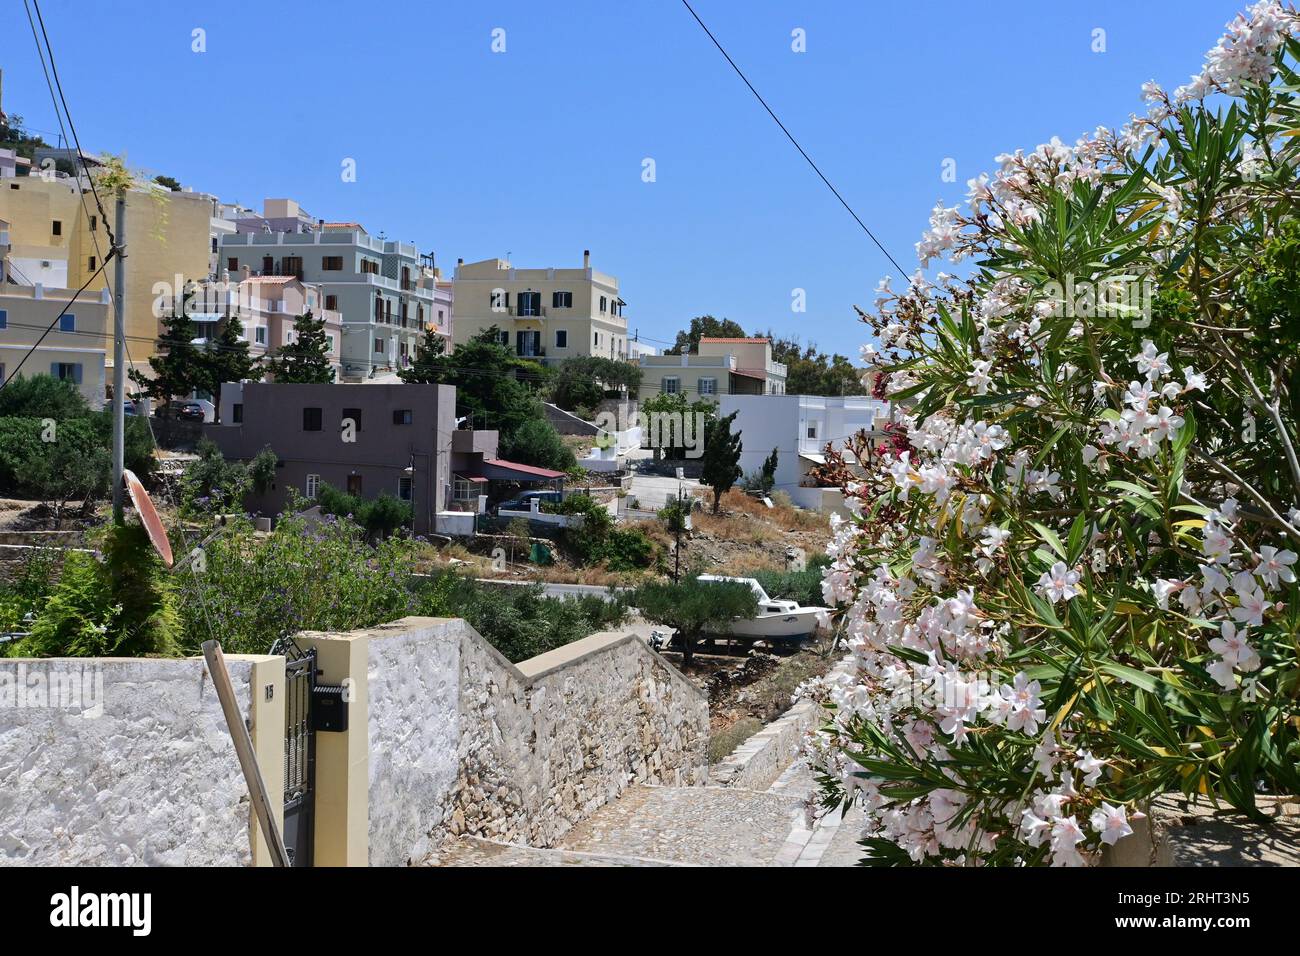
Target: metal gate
(299, 750)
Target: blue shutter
(68, 323)
(4, 319)
(76, 373)
(54, 369)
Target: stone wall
(136, 768)
(760, 760)
(465, 743)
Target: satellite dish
(148, 516)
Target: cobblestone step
(700, 826)
(474, 851)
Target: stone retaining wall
(120, 762)
(462, 742)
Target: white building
(800, 427)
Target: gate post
(342, 823)
(266, 714)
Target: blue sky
(538, 151)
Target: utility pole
(119, 356)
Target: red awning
(527, 471)
(476, 478)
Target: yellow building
(546, 314)
(719, 366)
(72, 349)
(59, 241)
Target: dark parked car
(183, 411)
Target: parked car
(523, 500)
(190, 412)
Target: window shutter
(76, 373)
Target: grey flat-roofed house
(362, 439)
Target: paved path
(692, 826)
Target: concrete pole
(119, 359)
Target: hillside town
(324, 548)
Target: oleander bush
(1070, 584)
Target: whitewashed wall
(464, 742)
(152, 780)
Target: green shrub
(379, 516)
(802, 586)
(42, 396)
(520, 622)
(537, 443)
(305, 575)
(123, 606)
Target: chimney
(245, 272)
(586, 258)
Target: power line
(790, 137)
(113, 250)
(76, 141)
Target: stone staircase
(687, 826)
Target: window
(214, 243)
(66, 371)
(94, 224)
(404, 487)
(530, 303)
(4, 319)
(354, 485)
(331, 263)
(812, 430)
(596, 339)
(259, 335)
(561, 339)
(56, 227)
(379, 346)
(311, 419)
(499, 300)
(329, 343)
(562, 300)
(313, 486)
(232, 264)
(90, 264)
(237, 413)
(331, 303)
(708, 386)
(402, 416)
(672, 385)
(604, 304)
(354, 415)
(369, 267)
(67, 322)
(504, 338)
(462, 489)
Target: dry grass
(725, 741)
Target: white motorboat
(777, 619)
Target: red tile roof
(762, 376)
(755, 341)
(527, 469)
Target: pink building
(267, 307)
